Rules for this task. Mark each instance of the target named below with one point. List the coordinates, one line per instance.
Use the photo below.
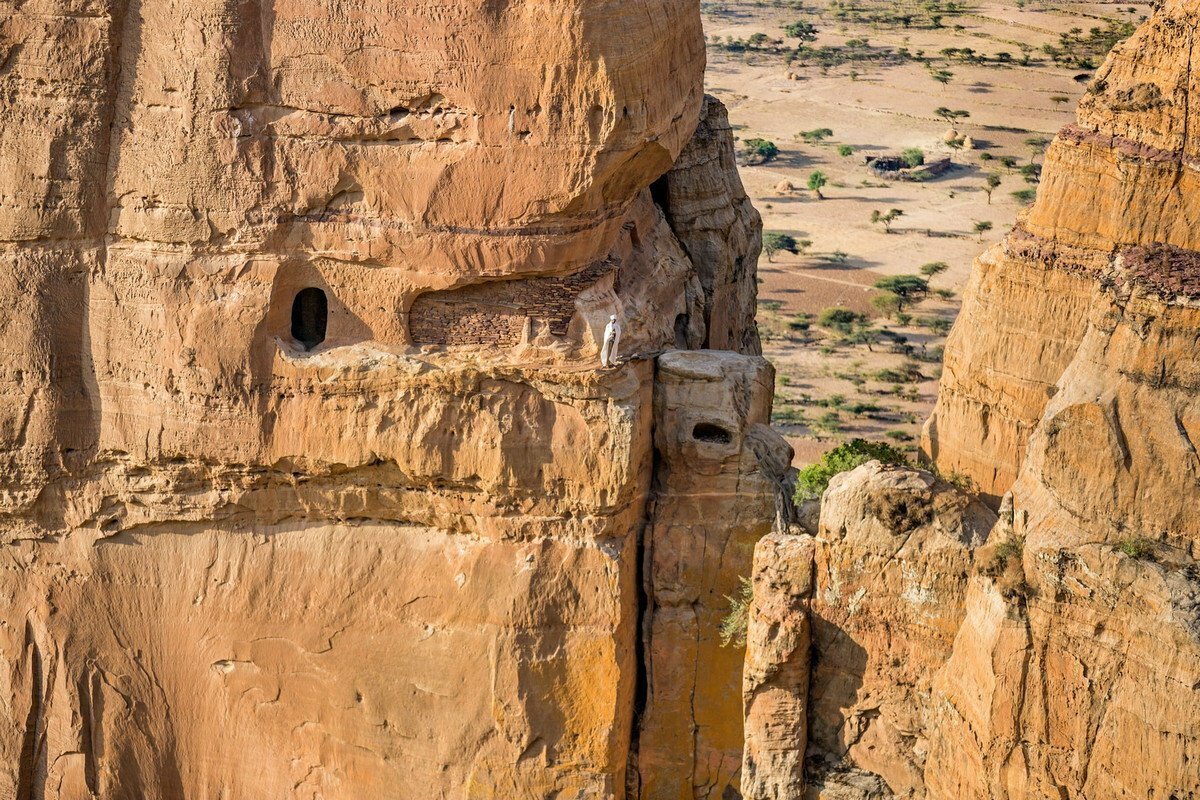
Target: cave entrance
(660, 192)
(708, 432)
(310, 316)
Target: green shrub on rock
(813, 480)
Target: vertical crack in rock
(31, 778)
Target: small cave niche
(310, 317)
(660, 192)
(709, 432)
(681, 330)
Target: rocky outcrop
(312, 484)
(719, 469)
(1095, 434)
(706, 205)
(1055, 653)
(775, 681)
(1117, 188)
(850, 628)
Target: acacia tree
(950, 115)
(905, 287)
(993, 181)
(982, 227)
(888, 303)
(816, 181)
(774, 242)
(804, 31)
(886, 219)
(1036, 144)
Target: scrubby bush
(913, 156)
(839, 319)
(734, 624)
(939, 325)
(1004, 565)
(830, 422)
(813, 480)
(816, 135)
(1025, 195)
(817, 181)
(1137, 548)
(760, 151)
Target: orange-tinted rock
(391, 549)
(1119, 180)
(778, 670)
(719, 470)
(848, 632)
(1085, 688)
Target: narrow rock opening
(681, 329)
(660, 191)
(310, 316)
(708, 432)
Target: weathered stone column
(717, 473)
(777, 670)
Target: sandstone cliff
(312, 486)
(1053, 651)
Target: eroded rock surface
(1115, 223)
(386, 542)
(719, 471)
(1087, 689)
(1058, 654)
(851, 627)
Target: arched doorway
(310, 316)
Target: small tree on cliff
(817, 181)
(813, 480)
(734, 624)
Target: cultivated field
(818, 87)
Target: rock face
(848, 631)
(704, 201)
(719, 470)
(778, 667)
(1114, 226)
(1096, 436)
(312, 486)
(1055, 653)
